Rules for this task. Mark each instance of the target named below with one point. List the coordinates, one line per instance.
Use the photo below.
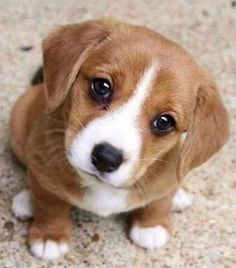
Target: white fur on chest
(104, 200)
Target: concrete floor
(205, 235)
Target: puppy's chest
(104, 200)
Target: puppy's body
(150, 80)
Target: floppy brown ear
(208, 130)
(64, 52)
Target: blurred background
(204, 235)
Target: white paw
(22, 205)
(49, 249)
(181, 200)
(149, 237)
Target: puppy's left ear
(208, 130)
(63, 53)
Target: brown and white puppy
(122, 116)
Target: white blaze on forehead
(142, 91)
(118, 128)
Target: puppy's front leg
(151, 224)
(51, 227)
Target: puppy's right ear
(208, 130)
(63, 53)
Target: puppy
(122, 116)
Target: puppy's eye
(101, 90)
(162, 124)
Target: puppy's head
(132, 96)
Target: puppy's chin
(90, 179)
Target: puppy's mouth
(90, 178)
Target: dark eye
(162, 124)
(101, 90)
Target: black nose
(106, 158)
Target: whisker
(156, 159)
(59, 157)
(141, 189)
(77, 120)
(152, 173)
(56, 141)
(57, 147)
(57, 120)
(57, 130)
(74, 117)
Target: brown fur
(42, 123)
